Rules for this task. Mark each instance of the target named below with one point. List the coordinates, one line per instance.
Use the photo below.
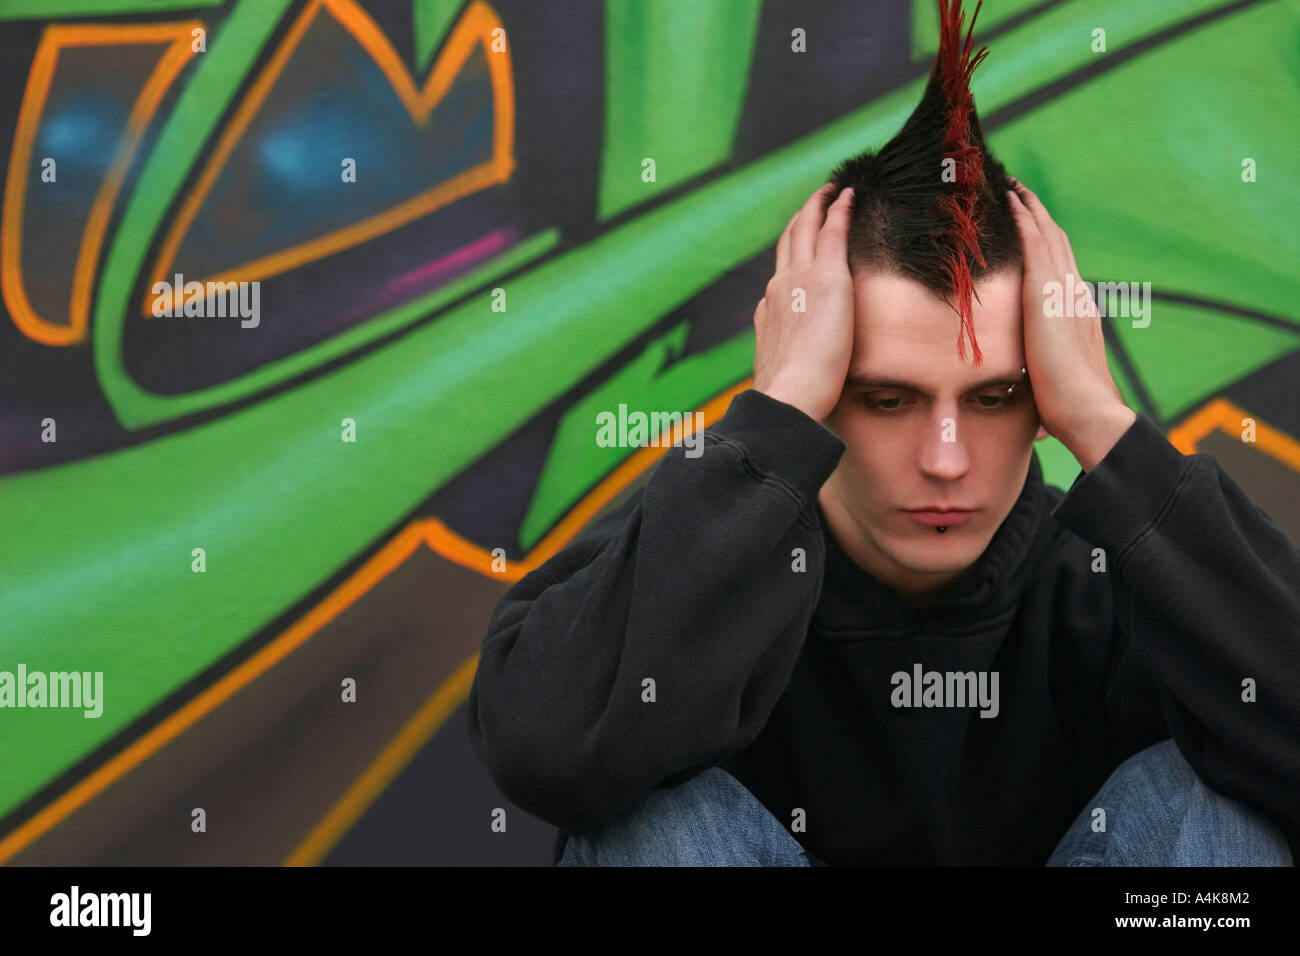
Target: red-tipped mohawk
(953, 68)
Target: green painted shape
(658, 59)
(180, 145)
(432, 19)
(1188, 353)
(1059, 466)
(1049, 46)
(52, 9)
(1199, 229)
(653, 381)
(96, 553)
(925, 21)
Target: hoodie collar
(853, 600)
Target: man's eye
(886, 404)
(996, 400)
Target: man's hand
(1065, 354)
(802, 357)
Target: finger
(1069, 253)
(1051, 232)
(1043, 219)
(833, 238)
(783, 245)
(1038, 259)
(803, 237)
(1057, 239)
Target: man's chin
(938, 557)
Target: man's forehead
(892, 296)
(902, 330)
(884, 274)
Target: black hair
(931, 203)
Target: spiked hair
(931, 203)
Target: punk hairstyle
(944, 224)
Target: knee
(708, 791)
(1160, 771)
(1162, 812)
(709, 820)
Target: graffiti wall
(309, 306)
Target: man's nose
(943, 451)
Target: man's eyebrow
(864, 380)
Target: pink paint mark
(452, 262)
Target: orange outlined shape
(44, 64)
(401, 750)
(1220, 414)
(453, 547)
(427, 531)
(476, 25)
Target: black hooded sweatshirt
(786, 678)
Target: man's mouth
(940, 517)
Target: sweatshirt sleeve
(1207, 597)
(696, 590)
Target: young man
(861, 629)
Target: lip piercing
(942, 528)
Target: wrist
(810, 405)
(1091, 440)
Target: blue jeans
(1158, 813)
